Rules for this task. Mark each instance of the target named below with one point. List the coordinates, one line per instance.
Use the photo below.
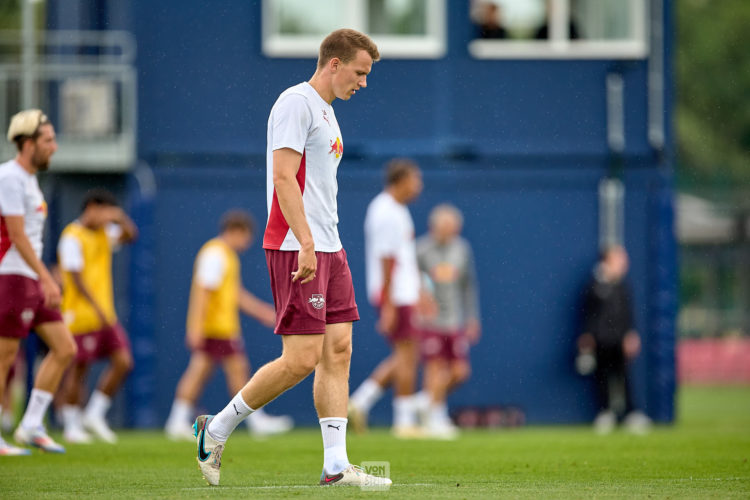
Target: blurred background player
(29, 296)
(393, 287)
(213, 327)
(448, 263)
(88, 306)
(609, 333)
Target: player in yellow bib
(213, 326)
(88, 307)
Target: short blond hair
(344, 44)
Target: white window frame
(560, 47)
(432, 45)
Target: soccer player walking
(88, 305)
(310, 277)
(213, 327)
(393, 287)
(29, 296)
(447, 259)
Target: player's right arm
(387, 321)
(17, 236)
(286, 164)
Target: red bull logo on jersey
(337, 147)
(42, 208)
(317, 300)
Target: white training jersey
(20, 195)
(389, 232)
(301, 120)
(210, 268)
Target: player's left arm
(258, 309)
(471, 299)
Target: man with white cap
(29, 296)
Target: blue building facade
(519, 145)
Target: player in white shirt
(393, 287)
(310, 277)
(29, 296)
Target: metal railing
(86, 82)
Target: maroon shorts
(307, 309)
(101, 343)
(218, 349)
(404, 329)
(22, 306)
(448, 346)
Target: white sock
(222, 425)
(404, 411)
(422, 400)
(366, 395)
(439, 414)
(71, 417)
(37, 407)
(98, 406)
(334, 444)
(181, 414)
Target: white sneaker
(182, 432)
(442, 430)
(37, 438)
(605, 421)
(636, 422)
(408, 432)
(8, 450)
(77, 435)
(209, 450)
(353, 476)
(267, 425)
(98, 426)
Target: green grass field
(705, 455)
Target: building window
(559, 29)
(400, 28)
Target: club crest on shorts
(317, 300)
(27, 315)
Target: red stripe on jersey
(277, 227)
(5, 243)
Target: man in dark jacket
(609, 334)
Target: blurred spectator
(542, 33)
(610, 335)
(447, 262)
(490, 21)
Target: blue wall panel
(534, 234)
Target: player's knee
(65, 351)
(301, 364)
(124, 362)
(461, 373)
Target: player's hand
(388, 319)
(631, 345)
(267, 316)
(427, 305)
(307, 265)
(473, 331)
(586, 343)
(50, 290)
(194, 339)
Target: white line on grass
(290, 487)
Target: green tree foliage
(713, 90)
